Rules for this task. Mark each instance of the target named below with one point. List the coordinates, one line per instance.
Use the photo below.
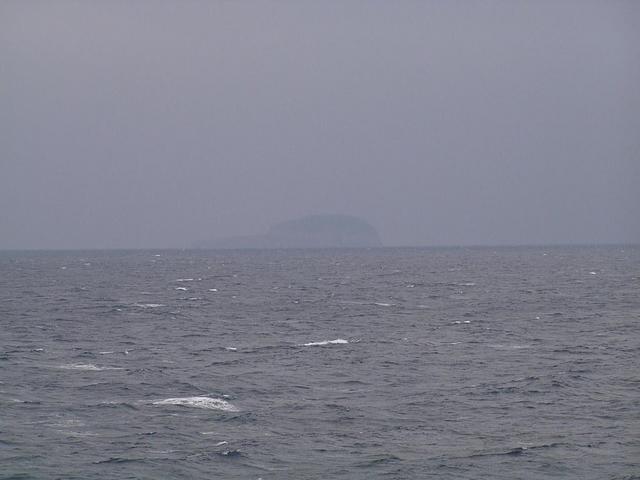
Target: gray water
(353, 364)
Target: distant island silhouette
(311, 231)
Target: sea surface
(460, 363)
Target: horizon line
(470, 245)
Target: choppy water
(388, 363)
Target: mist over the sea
(295, 239)
(161, 123)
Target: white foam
(592, 273)
(184, 289)
(231, 349)
(184, 279)
(221, 443)
(213, 289)
(70, 422)
(86, 367)
(148, 305)
(325, 342)
(509, 347)
(383, 304)
(199, 402)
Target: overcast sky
(160, 123)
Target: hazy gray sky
(159, 123)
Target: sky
(153, 124)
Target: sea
(386, 363)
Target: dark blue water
(385, 363)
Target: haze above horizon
(156, 124)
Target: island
(312, 231)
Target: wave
(115, 404)
(517, 450)
(148, 305)
(86, 367)
(199, 402)
(499, 346)
(325, 342)
(118, 460)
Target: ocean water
(330, 364)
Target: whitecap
(509, 347)
(221, 443)
(213, 289)
(86, 367)
(593, 273)
(70, 422)
(199, 402)
(184, 279)
(231, 349)
(184, 289)
(148, 305)
(383, 304)
(325, 342)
